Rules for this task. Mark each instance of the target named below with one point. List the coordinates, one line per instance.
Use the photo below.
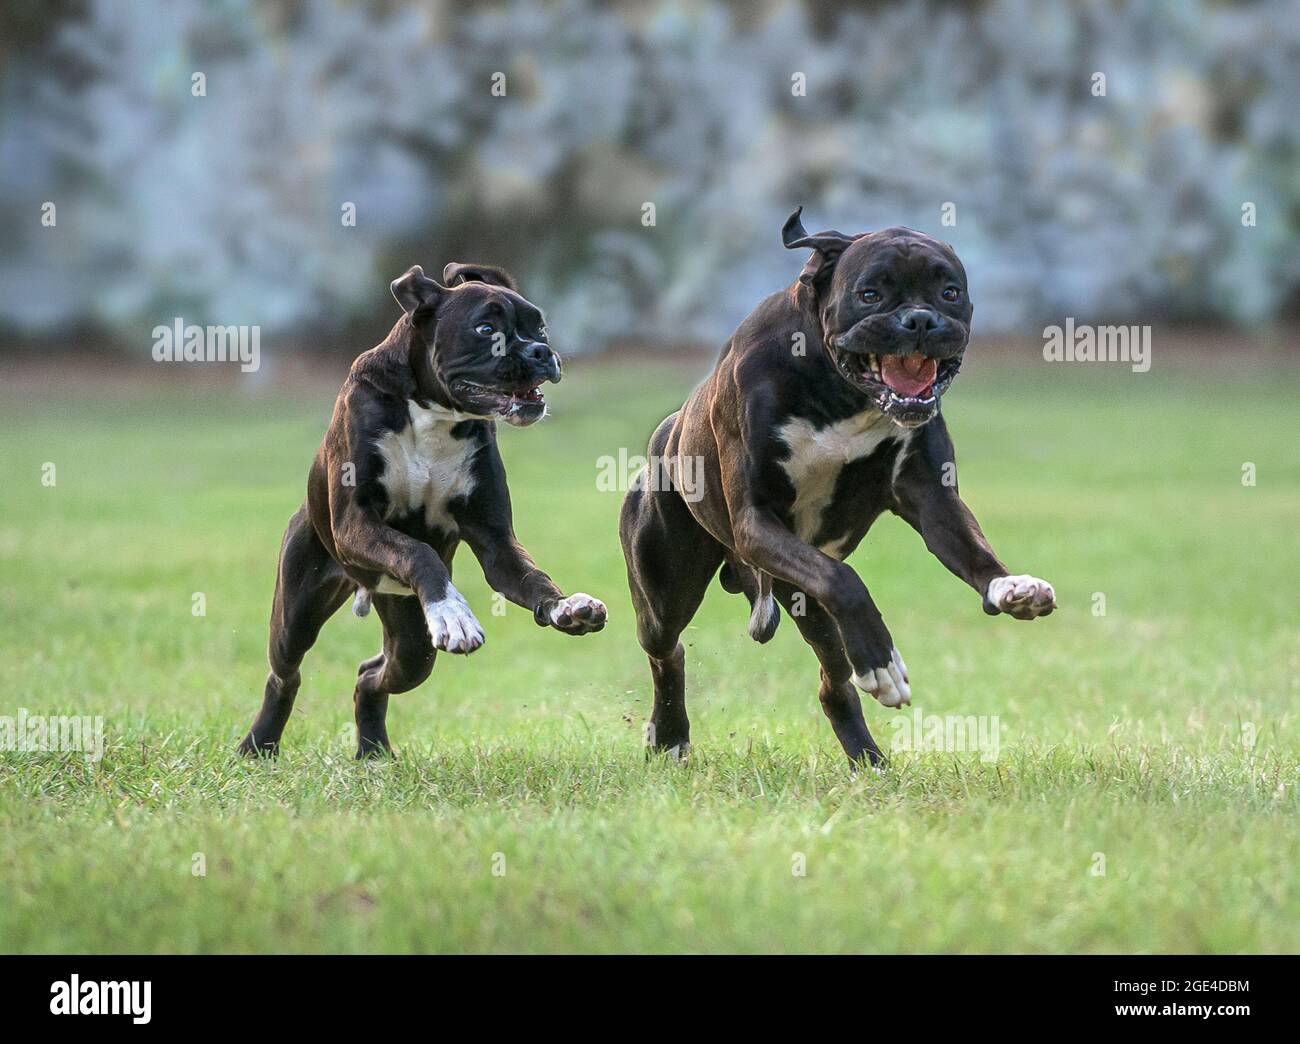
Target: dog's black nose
(918, 320)
(546, 361)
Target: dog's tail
(764, 614)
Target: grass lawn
(1143, 796)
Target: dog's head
(481, 344)
(894, 311)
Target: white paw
(1023, 596)
(451, 624)
(887, 684)
(577, 614)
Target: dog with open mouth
(822, 413)
(408, 469)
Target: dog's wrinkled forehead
(846, 257)
(474, 302)
(470, 293)
(898, 252)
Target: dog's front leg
(926, 496)
(763, 542)
(366, 544)
(511, 572)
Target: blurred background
(1110, 161)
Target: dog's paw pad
(578, 614)
(452, 625)
(1023, 597)
(889, 684)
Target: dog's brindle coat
(408, 469)
(821, 414)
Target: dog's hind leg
(309, 588)
(839, 698)
(670, 561)
(405, 662)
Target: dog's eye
(870, 296)
(951, 294)
(485, 329)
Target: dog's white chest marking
(426, 467)
(818, 455)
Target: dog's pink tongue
(908, 374)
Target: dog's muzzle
(513, 395)
(905, 386)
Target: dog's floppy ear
(456, 273)
(827, 245)
(413, 289)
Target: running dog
(821, 414)
(408, 469)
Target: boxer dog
(821, 414)
(408, 469)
